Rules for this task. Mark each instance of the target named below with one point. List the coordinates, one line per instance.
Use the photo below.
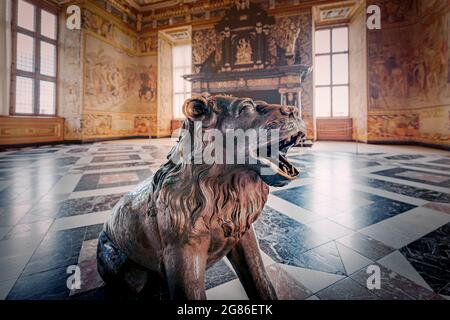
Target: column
(226, 49)
(259, 50)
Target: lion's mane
(184, 193)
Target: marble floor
(353, 209)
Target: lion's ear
(196, 109)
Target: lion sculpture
(188, 216)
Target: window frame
(184, 92)
(36, 76)
(330, 54)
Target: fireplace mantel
(286, 79)
(281, 72)
(249, 56)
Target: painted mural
(117, 82)
(165, 114)
(148, 44)
(121, 37)
(393, 124)
(116, 94)
(105, 29)
(429, 126)
(70, 82)
(399, 11)
(303, 54)
(358, 79)
(409, 83)
(410, 67)
(142, 124)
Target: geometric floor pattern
(348, 213)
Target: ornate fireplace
(247, 54)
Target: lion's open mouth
(283, 167)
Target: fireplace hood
(247, 51)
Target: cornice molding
(155, 15)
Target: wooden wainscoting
(28, 130)
(336, 129)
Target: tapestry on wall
(409, 64)
(116, 81)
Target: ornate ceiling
(152, 5)
(143, 5)
(163, 14)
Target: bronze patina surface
(188, 216)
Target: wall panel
(24, 130)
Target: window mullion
(37, 54)
(184, 84)
(48, 40)
(13, 87)
(45, 78)
(331, 70)
(24, 31)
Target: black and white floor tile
(317, 235)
